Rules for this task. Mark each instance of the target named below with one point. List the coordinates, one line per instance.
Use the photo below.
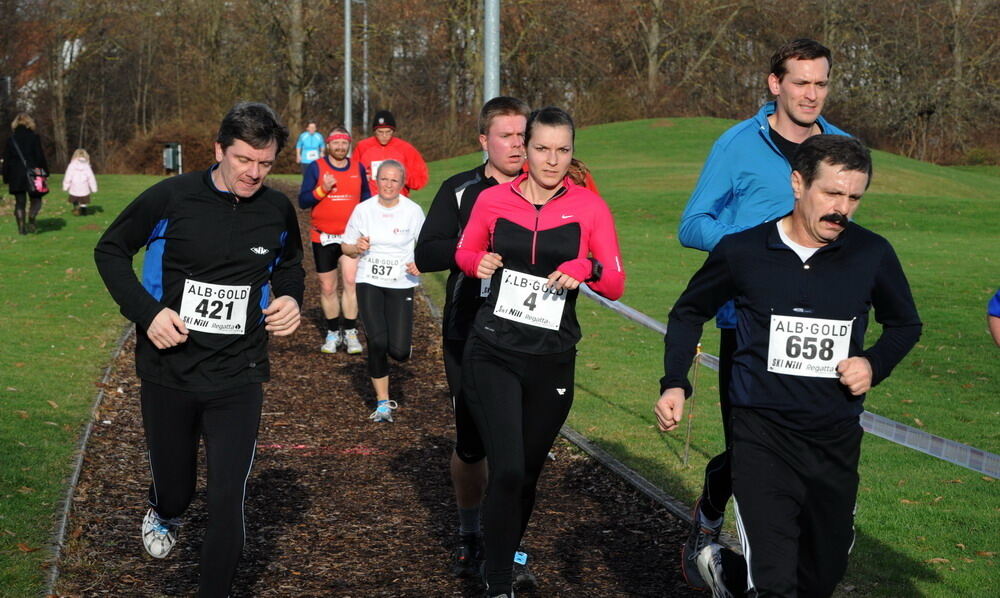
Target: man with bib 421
(803, 287)
(218, 244)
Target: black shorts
(326, 256)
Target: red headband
(334, 136)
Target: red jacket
(573, 226)
(371, 153)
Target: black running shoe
(700, 537)
(466, 557)
(523, 578)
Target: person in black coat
(15, 169)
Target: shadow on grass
(48, 225)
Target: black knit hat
(384, 118)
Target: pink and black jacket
(571, 233)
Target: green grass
(58, 329)
(912, 509)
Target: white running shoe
(332, 340)
(709, 563)
(383, 413)
(158, 534)
(351, 340)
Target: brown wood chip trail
(340, 506)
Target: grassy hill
(925, 527)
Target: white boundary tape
(970, 457)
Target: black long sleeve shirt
(842, 281)
(435, 250)
(194, 232)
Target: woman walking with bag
(23, 160)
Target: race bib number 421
(807, 346)
(215, 308)
(527, 299)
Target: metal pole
(491, 50)
(347, 64)
(364, 75)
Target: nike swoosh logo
(565, 216)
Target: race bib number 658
(807, 346)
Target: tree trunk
(296, 64)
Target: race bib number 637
(807, 346)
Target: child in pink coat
(79, 181)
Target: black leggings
(519, 403)
(388, 318)
(21, 200)
(174, 421)
(718, 473)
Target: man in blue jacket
(745, 182)
(804, 286)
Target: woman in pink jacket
(537, 238)
(79, 181)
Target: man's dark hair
(501, 106)
(552, 117)
(834, 150)
(253, 123)
(798, 49)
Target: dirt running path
(339, 506)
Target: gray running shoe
(158, 535)
(700, 537)
(332, 340)
(351, 340)
(710, 567)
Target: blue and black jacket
(191, 230)
(745, 181)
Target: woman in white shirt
(383, 233)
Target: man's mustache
(836, 218)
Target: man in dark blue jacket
(803, 287)
(745, 182)
(218, 244)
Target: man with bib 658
(803, 287)
(218, 244)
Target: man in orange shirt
(384, 145)
(332, 186)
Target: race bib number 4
(525, 298)
(384, 269)
(215, 308)
(807, 346)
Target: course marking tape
(970, 457)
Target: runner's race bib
(215, 308)
(381, 268)
(525, 298)
(328, 239)
(807, 346)
(312, 155)
(375, 165)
